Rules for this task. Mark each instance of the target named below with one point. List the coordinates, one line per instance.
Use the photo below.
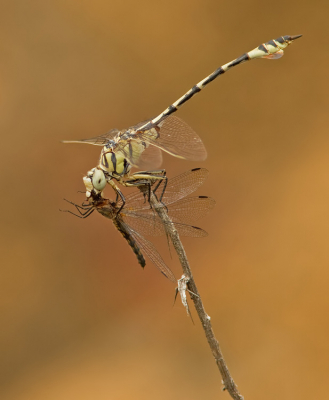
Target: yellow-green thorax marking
(115, 154)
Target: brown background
(79, 318)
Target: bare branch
(228, 382)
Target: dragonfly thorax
(127, 134)
(113, 162)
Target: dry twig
(228, 382)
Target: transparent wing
(177, 188)
(182, 213)
(100, 140)
(138, 152)
(182, 185)
(152, 225)
(189, 210)
(171, 135)
(149, 249)
(137, 242)
(150, 159)
(176, 138)
(103, 139)
(185, 211)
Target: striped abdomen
(272, 49)
(123, 229)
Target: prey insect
(137, 219)
(141, 144)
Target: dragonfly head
(95, 181)
(110, 144)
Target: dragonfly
(141, 144)
(137, 219)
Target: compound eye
(99, 180)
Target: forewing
(190, 231)
(189, 210)
(100, 140)
(177, 188)
(176, 138)
(147, 222)
(182, 185)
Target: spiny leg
(77, 206)
(165, 182)
(147, 178)
(87, 208)
(118, 194)
(83, 216)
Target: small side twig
(228, 382)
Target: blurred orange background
(80, 319)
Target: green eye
(99, 180)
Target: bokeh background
(79, 318)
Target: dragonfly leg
(82, 215)
(156, 174)
(165, 181)
(143, 184)
(118, 194)
(83, 207)
(122, 199)
(148, 178)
